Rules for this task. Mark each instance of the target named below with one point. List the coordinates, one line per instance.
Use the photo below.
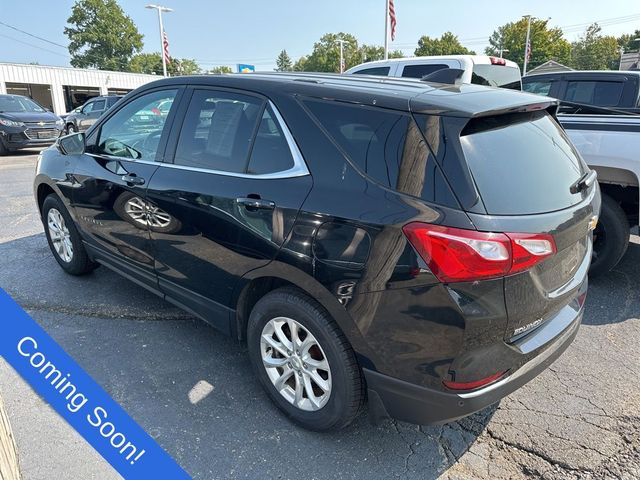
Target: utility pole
(161, 9)
(386, 32)
(527, 45)
(341, 42)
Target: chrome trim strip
(299, 168)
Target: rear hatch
(525, 177)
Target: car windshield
(15, 104)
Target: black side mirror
(74, 144)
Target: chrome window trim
(299, 168)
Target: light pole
(503, 50)
(527, 46)
(161, 9)
(638, 60)
(341, 42)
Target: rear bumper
(391, 397)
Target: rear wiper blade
(584, 182)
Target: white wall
(56, 77)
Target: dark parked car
(422, 245)
(618, 90)
(83, 117)
(25, 124)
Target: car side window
(599, 93)
(218, 131)
(87, 108)
(419, 71)
(383, 71)
(270, 152)
(98, 106)
(135, 130)
(539, 87)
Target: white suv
(478, 69)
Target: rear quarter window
(521, 163)
(419, 71)
(385, 145)
(599, 93)
(383, 71)
(539, 87)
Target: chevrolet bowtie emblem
(41, 124)
(593, 222)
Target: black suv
(83, 117)
(422, 245)
(25, 124)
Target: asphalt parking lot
(192, 388)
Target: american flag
(528, 50)
(165, 48)
(392, 17)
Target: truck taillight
(459, 255)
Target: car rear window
(496, 76)
(599, 93)
(521, 163)
(386, 145)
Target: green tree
(151, 63)
(594, 51)
(101, 35)
(447, 44)
(371, 53)
(325, 56)
(628, 41)
(221, 69)
(283, 62)
(300, 65)
(546, 43)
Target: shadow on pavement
(193, 390)
(616, 293)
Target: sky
(222, 32)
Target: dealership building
(61, 89)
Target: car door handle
(132, 179)
(256, 203)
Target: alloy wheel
(295, 363)
(60, 236)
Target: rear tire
(71, 128)
(3, 149)
(611, 237)
(340, 374)
(64, 239)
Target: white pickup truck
(610, 144)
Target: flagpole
(386, 32)
(527, 45)
(161, 9)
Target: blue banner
(79, 399)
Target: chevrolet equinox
(420, 245)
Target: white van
(478, 69)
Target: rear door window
(419, 71)
(599, 93)
(501, 76)
(384, 71)
(521, 163)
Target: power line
(34, 46)
(32, 35)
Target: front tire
(610, 238)
(304, 361)
(64, 239)
(71, 128)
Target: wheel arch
(257, 283)
(622, 185)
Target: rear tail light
(497, 61)
(458, 255)
(475, 384)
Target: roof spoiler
(449, 76)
